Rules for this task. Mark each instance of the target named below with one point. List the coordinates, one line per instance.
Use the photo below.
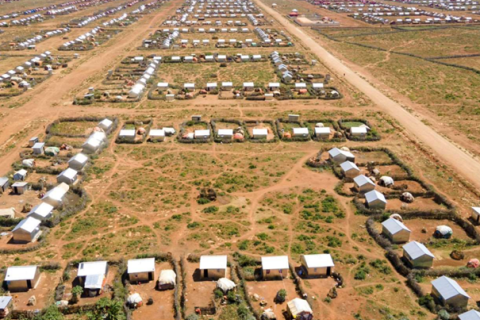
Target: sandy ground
(162, 306)
(43, 293)
(267, 290)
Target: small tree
(192, 316)
(231, 296)
(242, 312)
(443, 315)
(218, 294)
(281, 295)
(77, 292)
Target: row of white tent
(448, 18)
(19, 71)
(207, 22)
(221, 11)
(246, 85)
(27, 20)
(203, 30)
(64, 10)
(211, 58)
(432, 2)
(115, 20)
(29, 228)
(88, 20)
(32, 41)
(82, 38)
(52, 9)
(139, 87)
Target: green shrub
(360, 275)
(281, 295)
(203, 201)
(211, 209)
(218, 294)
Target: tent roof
(375, 195)
(335, 152)
(213, 262)
(167, 277)
(4, 302)
(394, 226)
(225, 284)
(58, 192)
(300, 130)
(298, 306)
(79, 157)
(416, 250)
(20, 273)
(28, 224)
(43, 209)
(318, 260)
(469, 315)
(476, 210)
(362, 180)
(448, 288)
(260, 131)
(348, 165)
(69, 173)
(275, 262)
(141, 265)
(92, 268)
(94, 281)
(157, 132)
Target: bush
(360, 275)
(281, 296)
(242, 312)
(211, 209)
(218, 294)
(427, 302)
(443, 315)
(192, 316)
(231, 297)
(245, 261)
(203, 201)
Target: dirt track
(463, 163)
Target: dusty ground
(162, 300)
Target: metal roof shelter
(275, 263)
(318, 260)
(416, 250)
(213, 262)
(448, 288)
(141, 265)
(41, 212)
(362, 180)
(375, 195)
(394, 226)
(92, 268)
(20, 273)
(469, 315)
(297, 306)
(348, 165)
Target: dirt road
(463, 163)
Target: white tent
(225, 284)
(134, 299)
(298, 306)
(387, 181)
(167, 277)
